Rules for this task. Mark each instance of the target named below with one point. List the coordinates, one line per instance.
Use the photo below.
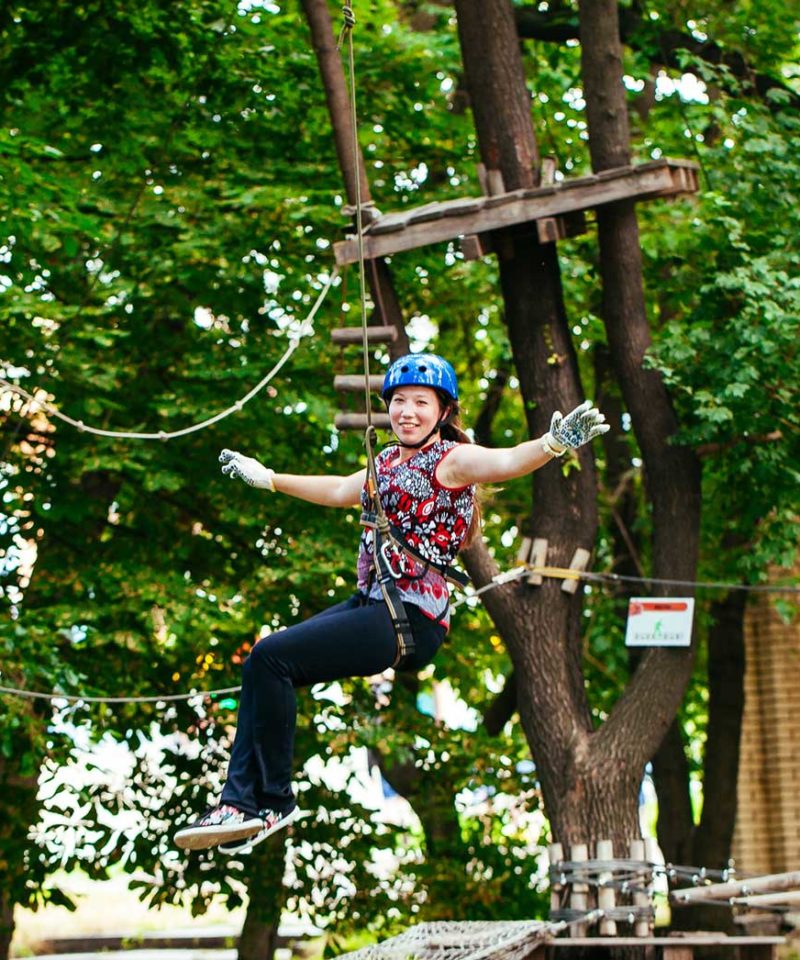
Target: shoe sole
(201, 838)
(246, 847)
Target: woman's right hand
(235, 464)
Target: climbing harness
(374, 518)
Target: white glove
(250, 470)
(580, 426)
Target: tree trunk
(541, 626)
(259, 936)
(6, 924)
(708, 844)
(672, 472)
(329, 59)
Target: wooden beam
(789, 899)
(689, 940)
(737, 888)
(434, 223)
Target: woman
(426, 484)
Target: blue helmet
(421, 370)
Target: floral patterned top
(434, 520)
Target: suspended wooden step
(354, 382)
(347, 335)
(358, 421)
(467, 216)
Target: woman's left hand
(580, 425)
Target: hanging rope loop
(349, 22)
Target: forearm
(521, 460)
(326, 491)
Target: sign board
(659, 622)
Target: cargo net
(461, 940)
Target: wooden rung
(343, 335)
(354, 383)
(358, 421)
(579, 561)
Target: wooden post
(538, 559)
(652, 854)
(641, 927)
(606, 899)
(579, 895)
(579, 561)
(555, 853)
(524, 550)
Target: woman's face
(414, 412)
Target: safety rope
(84, 698)
(303, 330)
(375, 517)
(347, 35)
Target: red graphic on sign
(656, 606)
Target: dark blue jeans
(352, 639)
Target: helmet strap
(421, 444)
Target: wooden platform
(415, 227)
(673, 947)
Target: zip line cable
(499, 580)
(304, 329)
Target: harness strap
(397, 539)
(383, 570)
(394, 603)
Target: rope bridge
(462, 940)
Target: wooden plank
(462, 217)
(358, 421)
(701, 940)
(788, 899)
(344, 335)
(353, 383)
(737, 888)
(428, 211)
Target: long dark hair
(452, 429)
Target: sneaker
(217, 824)
(271, 823)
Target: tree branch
(559, 27)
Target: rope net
(461, 940)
